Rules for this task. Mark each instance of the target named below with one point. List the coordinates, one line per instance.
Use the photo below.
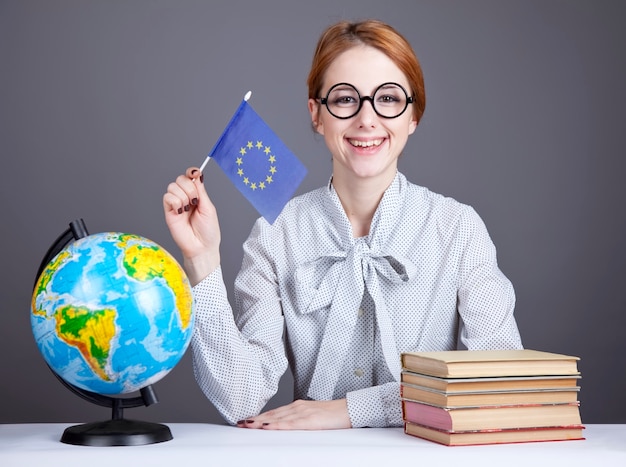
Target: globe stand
(118, 431)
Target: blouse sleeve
(376, 406)
(238, 370)
(486, 298)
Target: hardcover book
(491, 417)
(489, 363)
(476, 398)
(516, 435)
(503, 383)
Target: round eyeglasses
(389, 100)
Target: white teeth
(366, 144)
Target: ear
(412, 126)
(314, 110)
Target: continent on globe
(90, 331)
(140, 262)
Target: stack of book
(490, 396)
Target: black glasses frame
(324, 100)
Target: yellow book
(502, 383)
(466, 438)
(469, 398)
(489, 363)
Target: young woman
(349, 275)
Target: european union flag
(264, 170)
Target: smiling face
(366, 145)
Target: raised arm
(192, 220)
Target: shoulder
(300, 211)
(423, 198)
(446, 212)
(309, 205)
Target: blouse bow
(344, 277)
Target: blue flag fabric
(259, 164)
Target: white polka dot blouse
(339, 310)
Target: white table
(206, 445)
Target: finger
(186, 189)
(193, 173)
(180, 195)
(249, 423)
(284, 417)
(307, 415)
(197, 177)
(200, 187)
(263, 419)
(172, 203)
(176, 198)
(284, 425)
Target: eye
(344, 100)
(388, 99)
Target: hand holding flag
(258, 163)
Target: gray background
(103, 103)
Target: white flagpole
(208, 158)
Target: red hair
(344, 35)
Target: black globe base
(116, 432)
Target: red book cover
(491, 417)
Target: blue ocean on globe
(112, 313)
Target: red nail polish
(194, 201)
(202, 178)
(180, 210)
(187, 208)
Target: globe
(112, 313)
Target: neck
(360, 200)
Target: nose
(367, 115)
